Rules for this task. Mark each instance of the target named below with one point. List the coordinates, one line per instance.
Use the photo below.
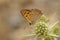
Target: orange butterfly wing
(27, 15)
(31, 15)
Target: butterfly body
(31, 15)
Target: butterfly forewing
(27, 15)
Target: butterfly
(31, 15)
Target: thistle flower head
(41, 29)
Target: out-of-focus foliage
(56, 29)
(49, 38)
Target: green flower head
(41, 29)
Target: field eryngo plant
(44, 31)
(41, 29)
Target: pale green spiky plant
(44, 31)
